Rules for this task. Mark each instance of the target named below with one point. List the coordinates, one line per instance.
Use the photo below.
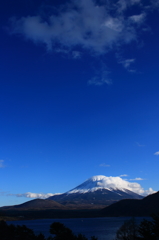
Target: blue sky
(78, 94)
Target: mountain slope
(133, 207)
(96, 192)
(40, 204)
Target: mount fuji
(97, 192)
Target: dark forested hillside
(133, 207)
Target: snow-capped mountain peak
(101, 182)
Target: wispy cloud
(101, 76)
(97, 28)
(99, 81)
(86, 25)
(156, 153)
(2, 164)
(34, 195)
(137, 179)
(123, 175)
(126, 63)
(69, 53)
(76, 54)
(140, 145)
(104, 165)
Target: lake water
(102, 228)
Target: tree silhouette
(147, 230)
(61, 232)
(128, 231)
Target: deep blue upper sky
(79, 95)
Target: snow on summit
(110, 183)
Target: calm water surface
(102, 228)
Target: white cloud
(149, 191)
(118, 182)
(137, 179)
(2, 164)
(104, 165)
(34, 195)
(123, 175)
(97, 28)
(138, 18)
(156, 153)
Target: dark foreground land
(146, 230)
(57, 230)
(11, 215)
